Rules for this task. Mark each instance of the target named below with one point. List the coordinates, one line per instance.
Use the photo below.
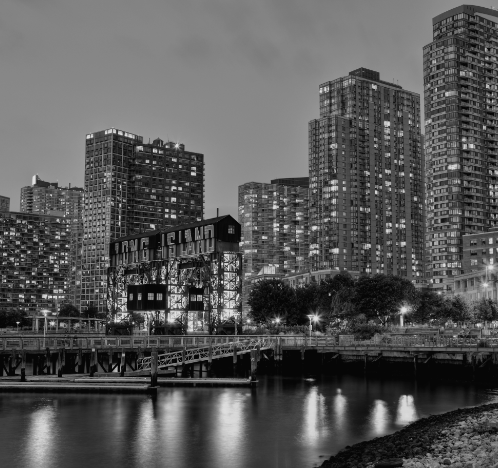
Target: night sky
(235, 80)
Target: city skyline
(206, 84)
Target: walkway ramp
(206, 353)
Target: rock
(391, 463)
(446, 461)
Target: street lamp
(18, 326)
(403, 311)
(311, 326)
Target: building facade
(34, 261)
(366, 179)
(189, 274)
(4, 203)
(133, 187)
(460, 93)
(275, 231)
(48, 198)
(480, 266)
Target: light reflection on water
(284, 423)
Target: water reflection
(379, 418)
(283, 423)
(145, 440)
(340, 407)
(406, 412)
(229, 428)
(315, 422)
(41, 438)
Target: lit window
(131, 296)
(139, 296)
(150, 296)
(231, 229)
(159, 296)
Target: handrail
(191, 355)
(167, 342)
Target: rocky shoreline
(464, 438)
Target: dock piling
(153, 368)
(122, 367)
(23, 366)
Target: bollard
(23, 366)
(153, 368)
(122, 367)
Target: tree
(92, 312)
(9, 318)
(382, 296)
(271, 298)
(336, 298)
(485, 310)
(307, 301)
(456, 309)
(68, 310)
(429, 306)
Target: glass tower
(132, 187)
(366, 180)
(461, 109)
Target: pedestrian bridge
(207, 353)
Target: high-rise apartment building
(275, 231)
(34, 261)
(48, 198)
(4, 203)
(133, 187)
(461, 119)
(366, 182)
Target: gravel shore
(465, 438)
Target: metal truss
(202, 354)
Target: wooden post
(415, 362)
(2, 362)
(59, 363)
(235, 359)
(35, 364)
(254, 364)
(12, 363)
(210, 360)
(153, 368)
(81, 362)
(109, 367)
(122, 367)
(93, 360)
(23, 366)
(47, 360)
(184, 366)
(365, 358)
(200, 369)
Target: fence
(288, 341)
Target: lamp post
(403, 311)
(311, 326)
(18, 326)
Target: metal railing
(191, 355)
(288, 341)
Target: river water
(284, 422)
